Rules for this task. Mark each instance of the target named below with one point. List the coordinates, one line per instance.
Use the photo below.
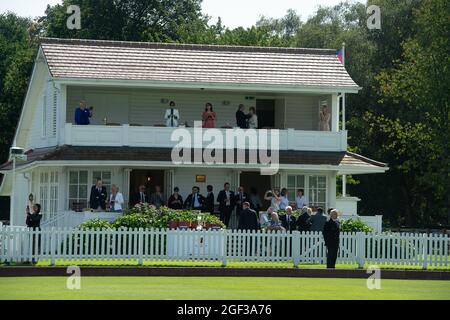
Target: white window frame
(48, 193)
(307, 187)
(91, 176)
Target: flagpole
(344, 177)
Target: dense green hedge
(357, 225)
(147, 216)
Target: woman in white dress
(253, 120)
(116, 199)
(324, 118)
(274, 197)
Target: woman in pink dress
(209, 116)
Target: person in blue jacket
(82, 114)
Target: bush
(134, 220)
(357, 225)
(95, 224)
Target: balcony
(161, 137)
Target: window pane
(300, 182)
(322, 196)
(313, 182)
(106, 176)
(322, 182)
(73, 177)
(83, 177)
(73, 192)
(291, 182)
(83, 192)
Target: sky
(234, 13)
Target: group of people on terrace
(244, 120)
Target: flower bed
(147, 216)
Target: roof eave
(207, 85)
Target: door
(265, 110)
(258, 182)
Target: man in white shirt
(300, 200)
(172, 116)
(284, 199)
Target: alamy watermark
(241, 146)
(74, 280)
(374, 280)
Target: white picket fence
(18, 244)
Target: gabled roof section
(169, 62)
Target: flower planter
(184, 224)
(173, 224)
(212, 226)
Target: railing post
(52, 245)
(295, 248)
(360, 249)
(224, 236)
(425, 251)
(141, 246)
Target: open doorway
(250, 180)
(265, 110)
(148, 178)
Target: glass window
(78, 187)
(48, 193)
(318, 191)
(295, 182)
(106, 179)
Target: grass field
(230, 264)
(222, 288)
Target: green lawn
(230, 264)
(222, 288)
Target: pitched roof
(84, 153)
(167, 62)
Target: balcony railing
(161, 137)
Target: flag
(340, 55)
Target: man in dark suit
(195, 200)
(226, 198)
(288, 221)
(141, 196)
(331, 232)
(242, 118)
(240, 198)
(97, 200)
(208, 206)
(318, 221)
(248, 220)
(304, 221)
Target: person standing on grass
(331, 232)
(248, 218)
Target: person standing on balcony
(209, 116)
(226, 198)
(284, 201)
(242, 118)
(195, 200)
(157, 199)
(253, 119)
(172, 116)
(98, 197)
(300, 200)
(141, 196)
(116, 199)
(241, 197)
(82, 114)
(324, 118)
(331, 231)
(175, 200)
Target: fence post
(224, 247)
(141, 246)
(295, 248)
(52, 245)
(425, 251)
(360, 249)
